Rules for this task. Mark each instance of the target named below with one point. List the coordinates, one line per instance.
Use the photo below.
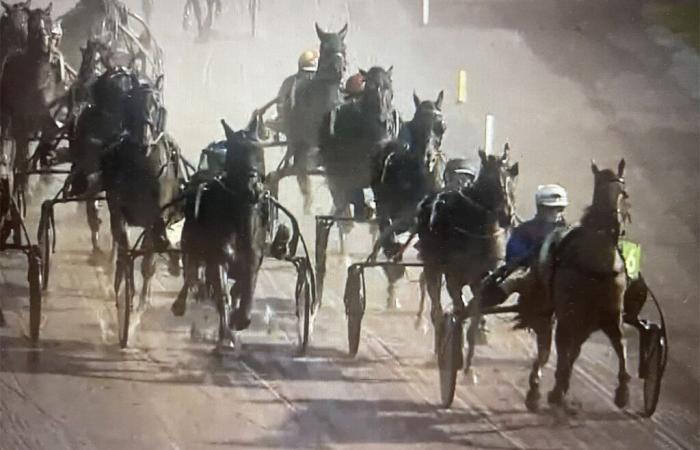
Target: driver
(306, 69)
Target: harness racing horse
(311, 101)
(31, 85)
(350, 135)
(402, 175)
(90, 19)
(224, 233)
(195, 7)
(141, 179)
(586, 280)
(99, 125)
(13, 30)
(462, 236)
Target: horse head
(427, 130)
(245, 163)
(332, 60)
(14, 26)
(609, 193)
(378, 93)
(145, 113)
(495, 185)
(112, 88)
(39, 29)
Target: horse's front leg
(433, 283)
(148, 270)
(543, 331)
(121, 245)
(246, 276)
(614, 332)
(94, 222)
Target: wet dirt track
(567, 81)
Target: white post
(426, 11)
(488, 143)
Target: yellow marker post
(462, 86)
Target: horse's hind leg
(94, 222)
(543, 332)
(421, 303)
(393, 274)
(301, 166)
(568, 349)
(614, 332)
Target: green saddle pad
(632, 254)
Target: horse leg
(562, 374)
(148, 270)
(216, 278)
(190, 276)
(543, 332)
(210, 15)
(433, 283)
(613, 329)
(421, 303)
(121, 244)
(393, 274)
(94, 222)
(301, 166)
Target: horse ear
(230, 134)
(514, 170)
(160, 81)
(416, 100)
(343, 31)
(621, 168)
(49, 8)
(482, 155)
(6, 6)
(390, 72)
(440, 97)
(594, 168)
(320, 33)
(506, 152)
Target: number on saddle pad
(632, 254)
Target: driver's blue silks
(526, 239)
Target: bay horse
(462, 235)
(224, 233)
(403, 173)
(13, 30)
(584, 273)
(312, 100)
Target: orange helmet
(355, 84)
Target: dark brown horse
(13, 30)
(462, 234)
(585, 276)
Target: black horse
(311, 102)
(141, 178)
(224, 233)
(462, 235)
(350, 135)
(99, 125)
(403, 173)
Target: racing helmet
(552, 195)
(308, 61)
(458, 166)
(355, 84)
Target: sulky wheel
(125, 303)
(654, 365)
(449, 357)
(354, 307)
(304, 314)
(45, 239)
(34, 275)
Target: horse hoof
(555, 397)
(471, 377)
(622, 396)
(225, 347)
(532, 400)
(238, 321)
(178, 308)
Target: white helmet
(551, 195)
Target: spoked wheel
(304, 315)
(354, 307)
(34, 276)
(449, 357)
(655, 362)
(125, 304)
(45, 239)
